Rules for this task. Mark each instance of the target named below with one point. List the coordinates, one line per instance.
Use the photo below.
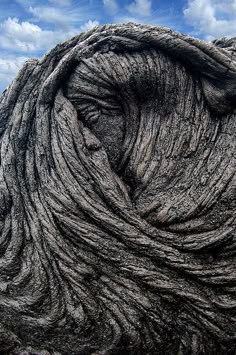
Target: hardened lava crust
(118, 197)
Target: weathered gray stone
(118, 197)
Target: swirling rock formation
(118, 197)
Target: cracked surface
(117, 190)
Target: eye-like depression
(117, 190)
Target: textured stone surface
(118, 197)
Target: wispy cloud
(47, 24)
(212, 19)
(140, 7)
(59, 16)
(9, 67)
(88, 25)
(111, 6)
(29, 28)
(227, 7)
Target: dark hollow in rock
(118, 197)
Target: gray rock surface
(118, 197)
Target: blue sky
(29, 28)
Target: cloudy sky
(29, 28)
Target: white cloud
(88, 25)
(9, 67)
(140, 7)
(21, 31)
(57, 16)
(226, 7)
(111, 6)
(212, 19)
(28, 37)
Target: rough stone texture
(118, 197)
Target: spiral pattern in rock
(117, 189)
